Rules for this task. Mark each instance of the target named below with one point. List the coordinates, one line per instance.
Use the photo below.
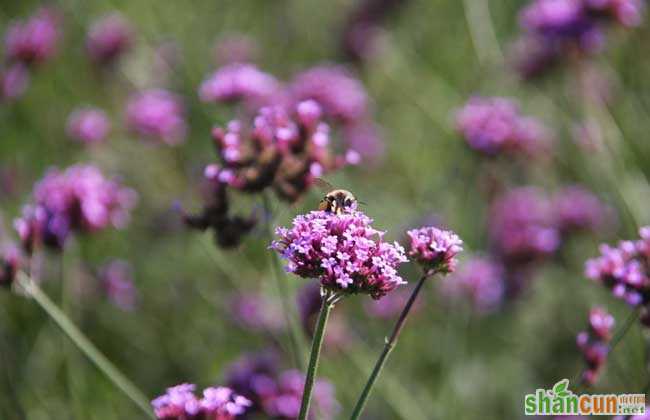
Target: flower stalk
(388, 348)
(329, 299)
(32, 289)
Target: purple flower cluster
(116, 279)
(283, 151)
(79, 198)
(217, 403)
(28, 43)
(435, 249)
(108, 38)
(277, 395)
(13, 81)
(481, 280)
(88, 125)
(33, 41)
(342, 97)
(577, 209)
(157, 115)
(493, 126)
(239, 81)
(594, 343)
(624, 269)
(522, 225)
(344, 252)
(556, 29)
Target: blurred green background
(450, 363)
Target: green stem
(296, 338)
(388, 348)
(88, 348)
(316, 344)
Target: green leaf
(560, 388)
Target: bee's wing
(323, 185)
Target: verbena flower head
(238, 81)
(14, 80)
(558, 29)
(284, 403)
(108, 38)
(624, 268)
(88, 125)
(342, 96)
(33, 41)
(218, 403)
(80, 199)
(343, 251)
(157, 115)
(275, 394)
(494, 125)
(435, 249)
(481, 281)
(522, 226)
(593, 343)
(116, 279)
(578, 209)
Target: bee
(338, 201)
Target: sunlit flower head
(343, 251)
(435, 249)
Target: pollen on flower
(344, 252)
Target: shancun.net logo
(560, 400)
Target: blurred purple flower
(594, 343)
(237, 81)
(277, 395)
(494, 125)
(256, 312)
(366, 140)
(342, 96)
(284, 403)
(108, 38)
(522, 227)
(628, 13)
(624, 268)
(88, 125)
(79, 198)
(157, 115)
(481, 280)
(558, 29)
(14, 80)
(435, 249)
(577, 209)
(342, 251)
(33, 41)
(116, 278)
(180, 403)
